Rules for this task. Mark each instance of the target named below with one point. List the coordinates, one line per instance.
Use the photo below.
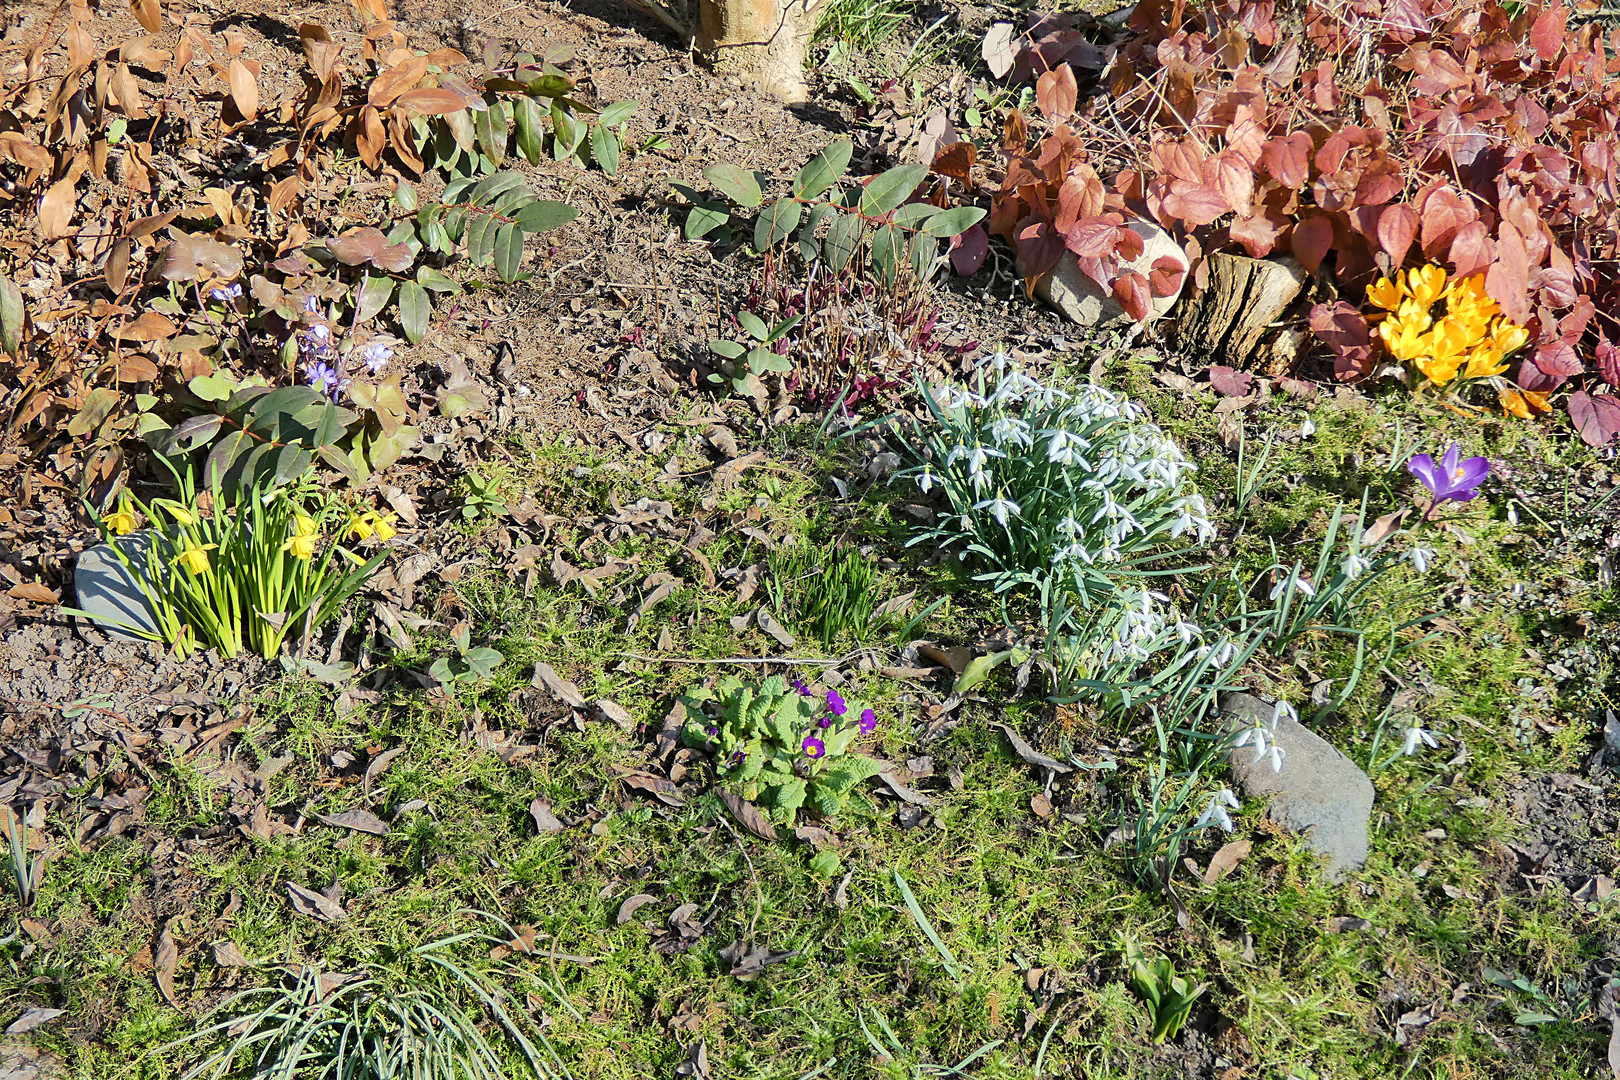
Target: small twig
(759, 896)
(820, 661)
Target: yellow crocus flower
(1484, 361)
(1384, 293)
(1426, 284)
(120, 522)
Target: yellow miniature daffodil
(301, 544)
(371, 523)
(181, 513)
(120, 521)
(195, 559)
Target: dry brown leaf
(1224, 860)
(431, 101)
(244, 90)
(378, 766)
(627, 910)
(358, 820)
(1380, 530)
(164, 962)
(748, 815)
(149, 326)
(31, 1018)
(227, 955)
(395, 81)
(656, 786)
(727, 475)
(774, 628)
(34, 592)
(148, 14)
(544, 820)
(311, 903)
(560, 689)
(56, 206)
(1030, 754)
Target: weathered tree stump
(1230, 319)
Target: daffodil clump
(244, 574)
(1445, 329)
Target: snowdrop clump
(1046, 480)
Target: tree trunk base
(764, 42)
(1244, 297)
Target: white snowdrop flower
(1120, 528)
(1283, 711)
(1261, 737)
(1070, 527)
(1065, 447)
(1416, 739)
(1187, 631)
(1010, 429)
(1220, 654)
(999, 508)
(1075, 551)
(1297, 581)
(1420, 558)
(1513, 515)
(927, 480)
(951, 398)
(957, 453)
(1354, 566)
(1307, 429)
(1216, 812)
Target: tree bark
(762, 41)
(1229, 319)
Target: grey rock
(1079, 299)
(107, 590)
(1319, 793)
(20, 1061)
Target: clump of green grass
(829, 596)
(862, 24)
(418, 1017)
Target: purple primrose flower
(813, 747)
(1450, 478)
(798, 685)
(836, 703)
(868, 721)
(824, 723)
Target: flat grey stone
(108, 590)
(1319, 793)
(20, 1061)
(1079, 299)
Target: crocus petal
(1423, 467)
(1471, 473)
(1449, 461)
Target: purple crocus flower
(836, 703)
(1451, 478)
(868, 721)
(813, 747)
